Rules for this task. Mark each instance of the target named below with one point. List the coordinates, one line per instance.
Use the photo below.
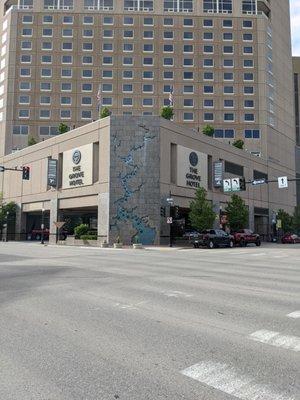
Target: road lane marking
(176, 293)
(295, 315)
(226, 379)
(276, 339)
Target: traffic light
(162, 211)
(26, 173)
(176, 212)
(242, 184)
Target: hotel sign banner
(191, 168)
(78, 167)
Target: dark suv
(214, 238)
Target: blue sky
(295, 18)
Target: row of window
(88, 46)
(89, 73)
(130, 21)
(129, 34)
(128, 102)
(108, 88)
(86, 101)
(218, 133)
(208, 6)
(89, 60)
(46, 114)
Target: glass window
(227, 23)
(208, 103)
(88, 20)
(188, 116)
(208, 117)
(228, 63)
(127, 74)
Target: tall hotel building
(228, 63)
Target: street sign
(235, 185)
(227, 185)
(169, 220)
(283, 182)
(218, 173)
(170, 200)
(258, 182)
(59, 224)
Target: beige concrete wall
(35, 190)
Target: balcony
(264, 7)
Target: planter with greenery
(237, 213)
(88, 237)
(32, 141)
(239, 144)
(167, 112)
(202, 215)
(81, 230)
(104, 112)
(63, 128)
(208, 130)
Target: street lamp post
(170, 202)
(42, 226)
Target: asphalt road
(97, 324)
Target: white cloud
(295, 23)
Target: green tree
(7, 210)
(167, 112)
(286, 219)
(208, 130)
(296, 219)
(201, 215)
(31, 141)
(237, 213)
(63, 128)
(239, 144)
(104, 112)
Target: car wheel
(231, 244)
(196, 246)
(242, 243)
(211, 244)
(258, 243)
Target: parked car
(244, 237)
(290, 238)
(214, 238)
(190, 234)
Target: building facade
(117, 173)
(227, 63)
(296, 68)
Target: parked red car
(290, 238)
(244, 237)
(36, 234)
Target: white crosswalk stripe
(295, 315)
(276, 339)
(226, 379)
